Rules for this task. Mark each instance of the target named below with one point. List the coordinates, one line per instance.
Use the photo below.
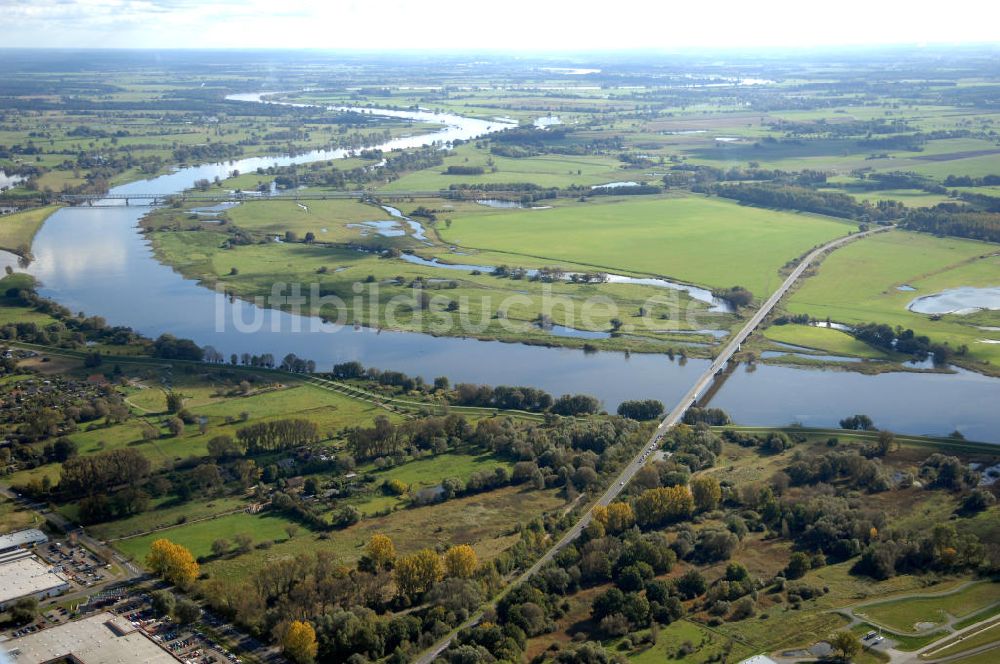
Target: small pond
(957, 301)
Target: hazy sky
(501, 24)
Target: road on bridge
(672, 418)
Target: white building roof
(100, 639)
(758, 659)
(27, 575)
(22, 537)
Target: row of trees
(904, 341)
(955, 220)
(96, 473)
(505, 397)
(277, 435)
(806, 199)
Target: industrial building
(24, 575)
(22, 539)
(103, 638)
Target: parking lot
(76, 562)
(187, 643)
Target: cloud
(512, 24)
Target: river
(94, 260)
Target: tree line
(277, 435)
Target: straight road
(672, 418)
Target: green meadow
(903, 615)
(705, 241)
(17, 230)
(860, 283)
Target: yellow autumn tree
(600, 513)
(620, 517)
(299, 642)
(173, 562)
(381, 551)
(416, 573)
(706, 492)
(461, 561)
(396, 487)
(663, 505)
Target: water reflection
(96, 261)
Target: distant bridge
(149, 200)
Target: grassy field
(904, 614)
(17, 230)
(821, 338)
(859, 283)
(165, 514)
(430, 471)
(14, 518)
(693, 239)
(329, 410)
(327, 219)
(545, 171)
(198, 537)
(709, 646)
(908, 197)
(484, 520)
(987, 657)
(336, 271)
(980, 637)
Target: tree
(64, 449)
(857, 423)
(706, 492)
(977, 501)
(187, 611)
(207, 476)
(224, 447)
(691, 584)
(175, 401)
(175, 425)
(744, 608)
(664, 504)
(847, 644)
(244, 542)
(173, 562)
(381, 551)
(461, 561)
(220, 546)
(395, 487)
(163, 602)
(416, 573)
(619, 517)
(24, 610)
(648, 409)
(95, 473)
(299, 642)
(575, 404)
(886, 442)
(798, 565)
